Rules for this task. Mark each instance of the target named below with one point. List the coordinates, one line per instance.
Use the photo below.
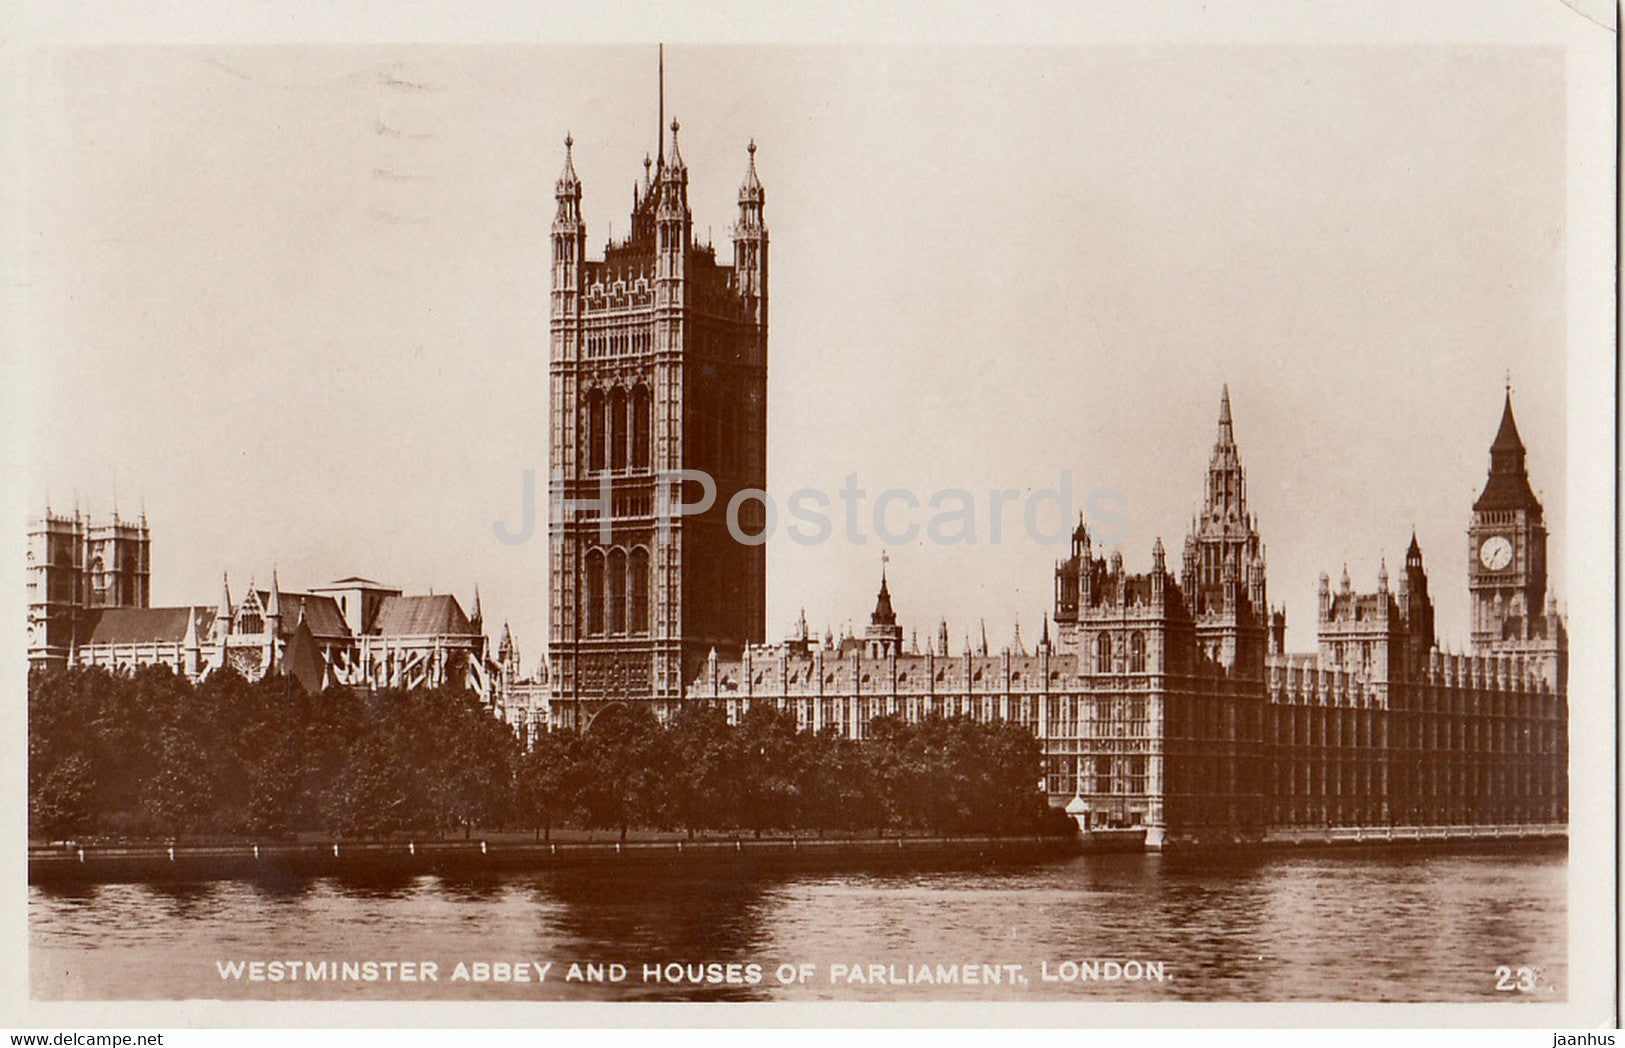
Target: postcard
(1089, 518)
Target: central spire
(1226, 432)
(660, 123)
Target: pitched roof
(141, 625)
(322, 614)
(1507, 486)
(354, 582)
(1506, 437)
(302, 659)
(883, 614)
(438, 614)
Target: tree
(765, 744)
(63, 790)
(621, 753)
(700, 791)
(175, 794)
(550, 780)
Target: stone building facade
(353, 632)
(78, 565)
(1382, 725)
(1167, 706)
(658, 374)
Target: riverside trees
(154, 755)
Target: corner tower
(659, 365)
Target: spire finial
(569, 142)
(660, 139)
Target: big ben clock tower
(1506, 569)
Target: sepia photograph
(515, 526)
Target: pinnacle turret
(750, 192)
(567, 178)
(567, 224)
(676, 163)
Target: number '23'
(1519, 979)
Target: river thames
(1283, 926)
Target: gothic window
(98, 578)
(1103, 654)
(637, 591)
(1136, 652)
(616, 598)
(642, 428)
(617, 429)
(595, 432)
(61, 584)
(595, 593)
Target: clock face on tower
(1496, 552)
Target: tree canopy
(151, 754)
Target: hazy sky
(296, 299)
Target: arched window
(1103, 653)
(616, 598)
(594, 586)
(61, 585)
(642, 427)
(637, 592)
(248, 619)
(617, 429)
(1136, 652)
(98, 579)
(595, 431)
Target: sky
(294, 299)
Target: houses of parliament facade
(1164, 699)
